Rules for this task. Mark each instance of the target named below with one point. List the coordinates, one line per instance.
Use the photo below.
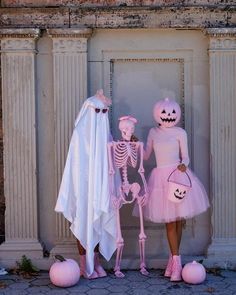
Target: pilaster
(70, 90)
(222, 55)
(18, 48)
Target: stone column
(19, 128)
(222, 55)
(70, 90)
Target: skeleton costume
(123, 154)
(84, 197)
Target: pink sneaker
(82, 264)
(97, 266)
(176, 269)
(168, 270)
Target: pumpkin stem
(60, 258)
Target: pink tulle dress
(171, 149)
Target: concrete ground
(223, 282)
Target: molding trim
(17, 45)
(69, 33)
(70, 45)
(222, 39)
(25, 33)
(221, 32)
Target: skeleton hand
(111, 171)
(141, 170)
(142, 200)
(116, 202)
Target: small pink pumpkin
(193, 273)
(65, 272)
(167, 112)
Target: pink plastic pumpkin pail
(178, 191)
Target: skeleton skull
(127, 127)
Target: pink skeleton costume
(169, 144)
(122, 154)
(84, 195)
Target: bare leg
(171, 229)
(174, 232)
(82, 253)
(179, 226)
(81, 249)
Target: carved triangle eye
(174, 112)
(163, 112)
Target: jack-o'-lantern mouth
(168, 120)
(179, 195)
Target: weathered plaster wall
(85, 3)
(2, 199)
(118, 14)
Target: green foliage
(25, 265)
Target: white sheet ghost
(84, 195)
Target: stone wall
(117, 14)
(99, 3)
(2, 199)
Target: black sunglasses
(97, 110)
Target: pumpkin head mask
(167, 112)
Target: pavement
(220, 282)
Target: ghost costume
(84, 197)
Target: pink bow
(130, 118)
(99, 94)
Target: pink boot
(168, 270)
(82, 264)
(176, 269)
(97, 266)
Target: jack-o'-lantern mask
(167, 112)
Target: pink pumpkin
(193, 273)
(167, 112)
(65, 272)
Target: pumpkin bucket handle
(190, 182)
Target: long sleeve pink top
(169, 144)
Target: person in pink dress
(169, 144)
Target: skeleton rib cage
(125, 154)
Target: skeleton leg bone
(142, 239)
(135, 188)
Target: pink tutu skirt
(160, 209)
